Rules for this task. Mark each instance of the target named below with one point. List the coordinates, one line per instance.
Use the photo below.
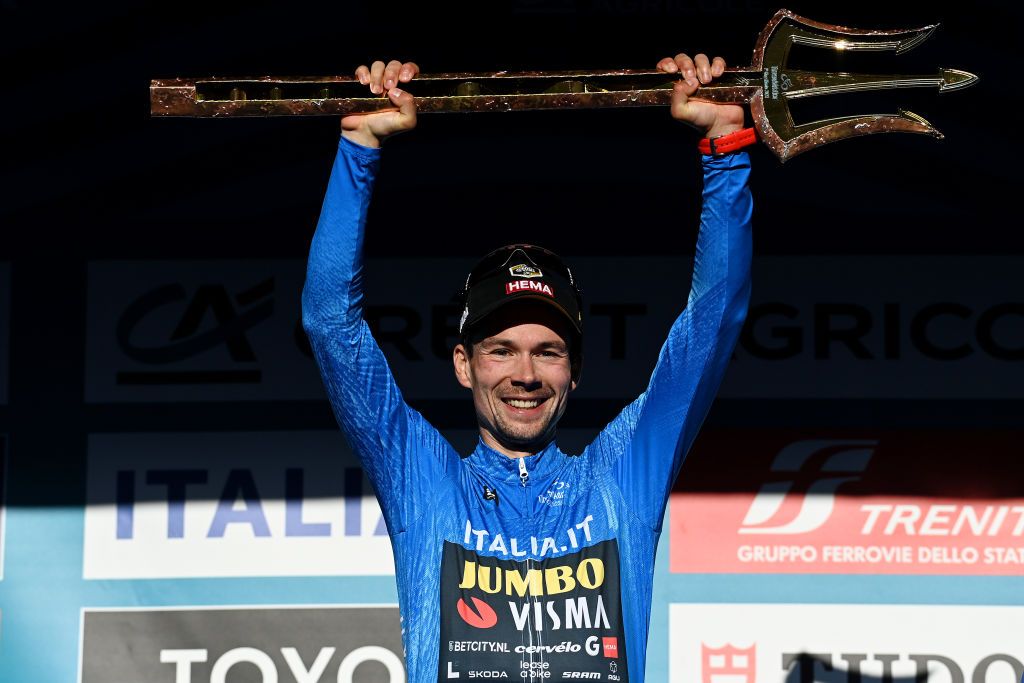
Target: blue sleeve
(645, 445)
(400, 452)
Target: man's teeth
(516, 403)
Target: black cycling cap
(520, 271)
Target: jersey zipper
(531, 633)
(524, 480)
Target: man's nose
(525, 374)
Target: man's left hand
(710, 118)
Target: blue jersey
(538, 568)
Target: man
(519, 562)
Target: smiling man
(521, 360)
(519, 562)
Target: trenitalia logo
(815, 469)
(885, 503)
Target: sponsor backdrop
(329, 643)
(837, 642)
(178, 506)
(816, 548)
(229, 331)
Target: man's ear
(460, 359)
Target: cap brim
(488, 310)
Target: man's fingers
(391, 74)
(680, 97)
(687, 87)
(668, 65)
(703, 67)
(380, 76)
(696, 71)
(351, 122)
(371, 128)
(406, 107)
(686, 67)
(405, 102)
(376, 77)
(409, 70)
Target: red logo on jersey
(479, 615)
(611, 647)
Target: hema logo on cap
(517, 286)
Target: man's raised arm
(363, 394)
(332, 296)
(646, 444)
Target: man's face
(520, 374)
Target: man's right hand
(370, 130)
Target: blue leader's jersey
(537, 568)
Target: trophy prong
(954, 79)
(836, 39)
(787, 28)
(770, 107)
(918, 36)
(925, 127)
(818, 133)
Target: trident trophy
(768, 85)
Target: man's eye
(501, 352)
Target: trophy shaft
(767, 85)
(458, 92)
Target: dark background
(87, 175)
